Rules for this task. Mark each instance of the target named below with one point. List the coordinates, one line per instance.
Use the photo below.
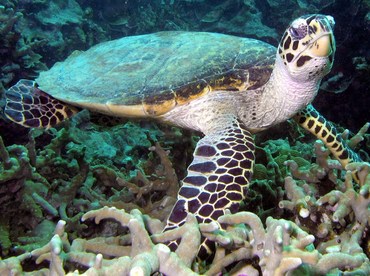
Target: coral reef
(68, 176)
(280, 247)
(322, 225)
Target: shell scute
(152, 74)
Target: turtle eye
(297, 33)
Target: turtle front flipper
(217, 178)
(314, 122)
(31, 107)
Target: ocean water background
(36, 34)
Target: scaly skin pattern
(311, 120)
(217, 178)
(29, 106)
(304, 56)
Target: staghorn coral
(325, 198)
(280, 247)
(142, 192)
(64, 179)
(322, 232)
(141, 257)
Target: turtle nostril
(298, 33)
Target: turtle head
(307, 48)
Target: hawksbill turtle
(224, 86)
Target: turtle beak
(324, 45)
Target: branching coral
(69, 184)
(143, 257)
(280, 247)
(333, 214)
(59, 182)
(343, 203)
(244, 245)
(154, 194)
(139, 257)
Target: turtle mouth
(323, 46)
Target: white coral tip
(56, 244)
(304, 213)
(137, 271)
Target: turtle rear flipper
(29, 106)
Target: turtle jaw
(322, 46)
